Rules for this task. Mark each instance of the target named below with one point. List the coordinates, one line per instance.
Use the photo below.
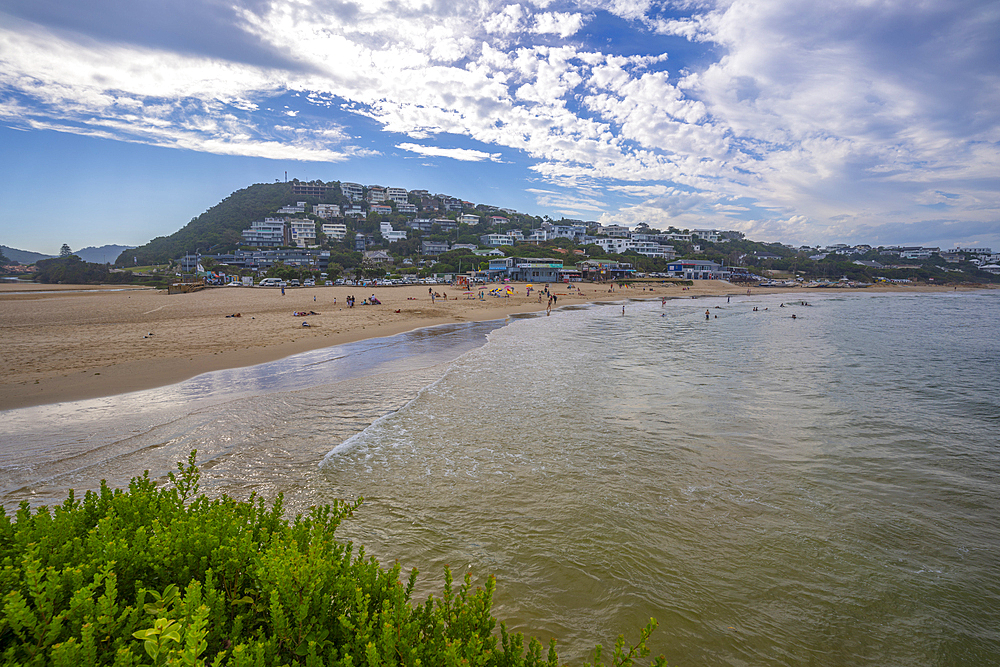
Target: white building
(496, 240)
(376, 193)
(300, 207)
(406, 208)
(391, 235)
(654, 249)
(335, 230)
(397, 195)
(710, 235)
(327, 210)
(615, 246)
(353, 191)
(354, 212)
(302, 232)
(616, 231)
(469, 219)
(381, 209)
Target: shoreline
(69, 343)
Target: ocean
(773, 490)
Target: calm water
(820, 490)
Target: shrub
(163, 576)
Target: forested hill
(219, 227)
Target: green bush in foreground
(163, 576)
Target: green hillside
(219, 227)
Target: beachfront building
(302, 232)
(525, 269)
(697, 269)
(327, 210)
(336, 231)
(353, 191)
(599, 270)
(269, 232)
(260, 260)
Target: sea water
(816, 490)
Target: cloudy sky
(798, 121)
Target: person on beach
(282, 290)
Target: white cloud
(563, 24)
(463, 154)
(835, 113)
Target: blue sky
(874, 121)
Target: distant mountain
(22, 256)
(219, 228)
(103, 255)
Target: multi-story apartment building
(376, 194)
(327, 210)
(266, 233)
(302, 232)
(353, 191)
(397, 195)
(300, 207)
(336, 231)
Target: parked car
(294, 282)
(309, 283)
(269, 282)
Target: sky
(804, 122)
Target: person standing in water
(706, 314)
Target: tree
(65, 251)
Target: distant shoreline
(75, 342)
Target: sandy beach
(63, 343)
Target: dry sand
(62, 343)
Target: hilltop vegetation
(218, 227)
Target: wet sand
(63, 343)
